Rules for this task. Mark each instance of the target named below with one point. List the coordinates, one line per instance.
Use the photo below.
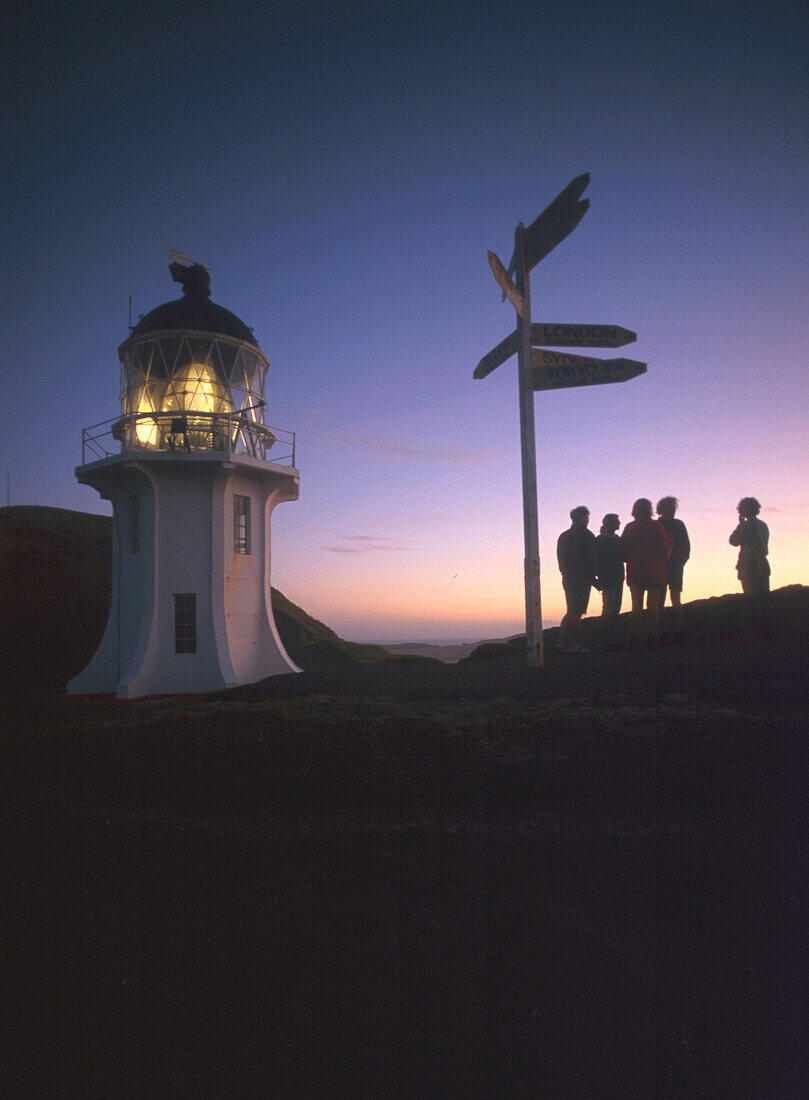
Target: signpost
(504, 282)
(504, 350)
(554, 370)
(542, 369)
(556, 222)
(559, 336)
(548, 236)
(581, 336)
(533, 599)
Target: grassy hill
(472, 880)
(55, 570)
(716, 618)
(55, 584)
(310, 643)
(406, 879)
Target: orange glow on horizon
(374, 599)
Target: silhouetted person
(646, 546)
(610, 577)
(576, 554)
(752, 536)
(680, 553)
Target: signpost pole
(544, 370)
(533, 601)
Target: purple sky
(343, 170)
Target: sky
(343, 170)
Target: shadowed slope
(55, 585)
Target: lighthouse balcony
(225, 433)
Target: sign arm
(512, 267)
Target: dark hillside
(720, 663)
(55, 568)
(55, 584)
(312, 644)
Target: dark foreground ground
(418, 880)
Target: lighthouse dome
(192, 367)
(195, 311)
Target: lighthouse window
(133, 508)
(241, 525)
(185, 622)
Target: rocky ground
(417, 879)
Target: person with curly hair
(752, 536)
(609, 577)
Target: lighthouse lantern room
(193, 474)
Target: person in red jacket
(646, 546)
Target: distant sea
(448, 650)
(452, 641)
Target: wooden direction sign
(506, 285)
(561, 205)
(537, 246)
(557, 221)
(581, 336)
(555, 370)
(560, 336)
(504, 350)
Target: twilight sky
(343, 169)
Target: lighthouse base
(191, 606)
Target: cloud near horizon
(362, 544)
(458, 457)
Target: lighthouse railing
(182, 431)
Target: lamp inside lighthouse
(179, 404)
(198, 396)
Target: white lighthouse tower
(193, 484)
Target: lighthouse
(193, 474)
